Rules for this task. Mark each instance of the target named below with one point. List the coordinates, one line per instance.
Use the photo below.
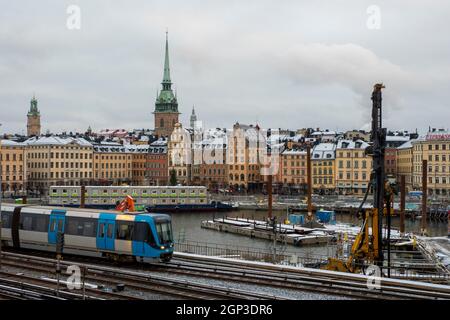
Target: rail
(411, 269)
(276, 254)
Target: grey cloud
(283, 64)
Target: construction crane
(126, 204)
(367, 247)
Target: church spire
(193, 117)
(166, 78)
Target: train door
(15, 225)
(57, 222)
(141, 231)
(106, 232)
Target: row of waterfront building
(225, 159)
(217, 158)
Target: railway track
(326, 282)
(139, 277)
(142, 282)
(46, 288)
(13, 286)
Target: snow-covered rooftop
(58, 141)
(10, 143)
(293, 152)
(324, 151)
(407, 144)
(350, 144)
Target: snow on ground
(441, 246)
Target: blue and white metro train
(142, 237)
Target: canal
(187, 227)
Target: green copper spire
(166, 100)
(166, 79)
(33, 107)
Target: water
(187, 226)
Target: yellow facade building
(112, 164)
(353, 167)
(57, 161)
(13, 169)
(405, 164)
(435, 148)
(243, 158)
(323, 159)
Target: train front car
(162, 230)
(145, 236)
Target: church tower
(166, 105)
(33, 119)
(193, 118)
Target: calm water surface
(187, 226)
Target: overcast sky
(288, 64)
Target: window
(53, 226)
(109, 233)
(164, 230)
(81, 226)
(142, 233)
(124, 230)
(33, 222)
(6, 219)
(101, 230)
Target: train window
(110, 231)
(40, 223)
(89, 228)
(6, 219)
(101, 230)
(33, 222)
(164, 230)
(81, 226)
(60, 224)
(26, 222)
(142, 233)
(72, 226)
(124, 230)
(53, 226)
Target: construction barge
(294, 234)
